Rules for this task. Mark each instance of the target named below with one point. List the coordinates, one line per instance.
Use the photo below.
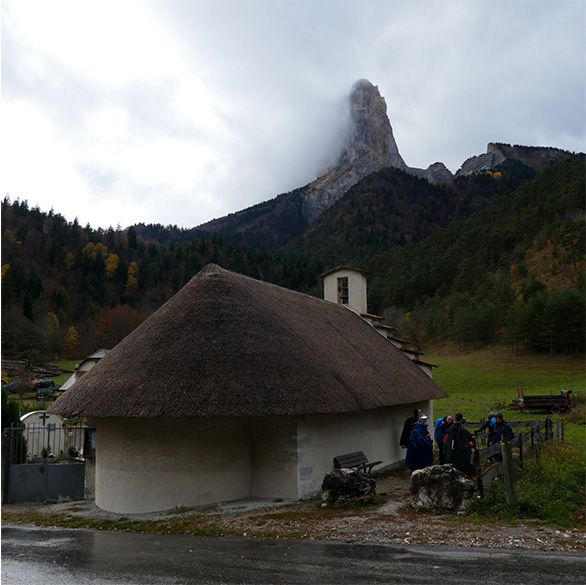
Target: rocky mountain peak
(369, 147)
(534, 157)
(370, 135)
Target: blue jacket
(498, 432)
(420, 449)
(441, 427)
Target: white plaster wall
(274, 457)
(146, 465)
(356, 289)
(35, 419)
(375, 432)
(90, 479)
(44, 434)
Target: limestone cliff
(370, 136)
(370, 146)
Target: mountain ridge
(370, 146)
(393, 208)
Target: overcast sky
(179, 111)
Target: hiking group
(454, 441)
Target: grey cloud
(63, 97)
(455, 75)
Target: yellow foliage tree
(10, 237)
(71, 340)
(112, 261)
(132, 280)
(5, 269)
(92, 250)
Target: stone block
(343, 486)
(440, 487)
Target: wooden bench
(356, 460)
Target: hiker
(501, 431)
(498, 429)
(408, 427)
(420, 449)
(441, 427)
(488, 424)
(459, 444)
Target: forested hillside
(269, 224)
(67, 289)
(392, 207)
(514, 271)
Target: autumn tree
(51, 333)
(132, 279)
(112, 325)
(71, 342)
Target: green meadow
(66, 365)
(484, 380)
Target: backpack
(437, 428)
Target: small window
(343, 290)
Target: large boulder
(440, 486)
(347, 486)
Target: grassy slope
(27, 401)
(480, 381)
(66, 365)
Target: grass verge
(550, 490)
(190, 525)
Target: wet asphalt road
(80, 557)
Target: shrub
(577, 414)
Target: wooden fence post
(479, 481)
(521, 450)
(508, 472)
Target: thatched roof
(229, 345)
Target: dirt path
(394, 522)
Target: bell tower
(345, 285)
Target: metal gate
(45, 462)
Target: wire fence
(502, 459)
